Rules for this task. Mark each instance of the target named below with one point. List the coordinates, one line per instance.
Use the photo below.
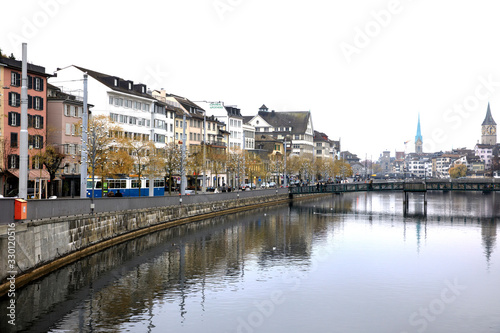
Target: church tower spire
(489, 129)
(418, 138)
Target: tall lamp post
(183, 157)
(85, 124)
(284, 168)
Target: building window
(15, 79)
(13, 140)
(70, 129)
(110, 100)
(13, 162)
(14, 99)
(38, 84)
(37, 103)
(35, 162)
(14, 119)
(37, 122)
(35, 141)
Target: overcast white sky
(364, 68)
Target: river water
(341, 263)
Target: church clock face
(491, 130)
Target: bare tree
(217, 160)
(142, 153)
(236, 162)
(100, 139)
(172, 162)
(52, 160)
(342, 168)
(253, 166)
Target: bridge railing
(419, 186)
(415, 187)
(348, 187)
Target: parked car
(272, 184)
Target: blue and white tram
(128, 187)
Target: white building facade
(140, 116)
(231, 116)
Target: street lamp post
(183, 157)
(85, 121)
(284, 169)
(204, 184)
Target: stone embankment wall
(44, 245)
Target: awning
(34, 174)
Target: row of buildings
(481, 161)
(55, 109)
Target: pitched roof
(319, 136)
(109, 80)
(17, 64)
(298, 120)
(246, 119)
(185, 102)
(488, 120)
(233, 111)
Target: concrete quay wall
(44, 245)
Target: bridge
(483, 185)
(490, 185)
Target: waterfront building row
(56, 109)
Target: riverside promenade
(60, 231)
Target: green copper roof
(419, 135)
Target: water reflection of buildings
(489, 237)
(165, 267)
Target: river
(340, 263)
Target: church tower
(488, 129)
(418, 138)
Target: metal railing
(57, 208)
(418, 186)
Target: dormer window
(116, 82)
(143, 89)
(129, 86)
